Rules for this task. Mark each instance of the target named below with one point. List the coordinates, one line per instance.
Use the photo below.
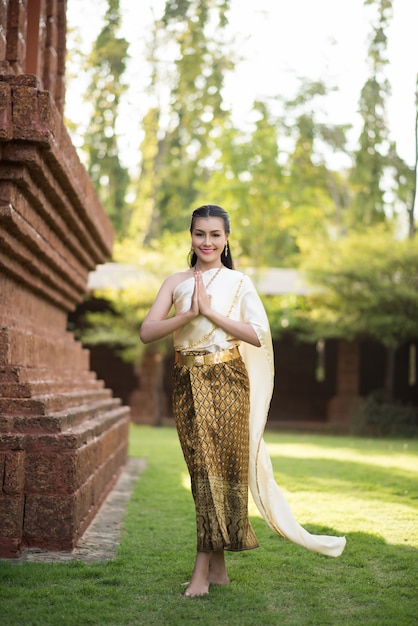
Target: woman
(223, 381)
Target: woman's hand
(203, 299)
(194, 306)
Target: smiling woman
(223, 381)
(210, 241)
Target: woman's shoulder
(234, 273)
(178, 277)
(238, 275)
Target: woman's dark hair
(213, 210)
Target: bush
(379, 418)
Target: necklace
(213, 277)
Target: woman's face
(208, 240)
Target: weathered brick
(14, 475)
(87, 462)
(64, 437)
(3, 26)
(49, 521)
(6, 124)
(2, 466)
(10, 547)
(85, 502)
(11, 515)
(40, 471)
(28, 124)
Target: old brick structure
(63, 436)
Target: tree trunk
(411, 211)
(389, 382)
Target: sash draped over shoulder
(228, 287)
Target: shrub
(380, 418)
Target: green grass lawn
(364, 489)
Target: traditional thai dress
(222, 393)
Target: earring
(226, 249)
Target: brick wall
(63, 436)
(33, 41)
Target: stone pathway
(102, 537)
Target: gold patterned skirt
(211, 411)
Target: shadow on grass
(329, 475)
(373, 582)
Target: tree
(145, 217)
(366, 286)
(247, 178)
(107, 63)
(405, 179)
(188, 110)
(316, 194)
(371, 158)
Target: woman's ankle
(217, 569)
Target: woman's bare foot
(197, 588)
(217, 569)
(199, 583)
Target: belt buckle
(199, 359)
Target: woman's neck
(201, 267)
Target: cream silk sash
(259, 362)
(267, 495)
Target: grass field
(364, 489)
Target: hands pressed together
(201, 300)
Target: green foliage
(176, 150)
(286, 313)
(371, 160)
(248, 179)
(286, 203)
(405, 178)
(144, 220)
(368, 286)
(129, 302)
(106, 64)
(376, 417)
(119, 329)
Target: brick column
(148, 403)
(63, 437)
(348, 376)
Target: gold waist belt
(207, 359)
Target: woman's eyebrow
(198, 230)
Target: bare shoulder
(175, 279)
(164, 299)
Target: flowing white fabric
(259, 362)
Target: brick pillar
(63, 437)
(149, 403)
(16, 11)
(348, 375)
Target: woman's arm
(240, 330)
(156, 325)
